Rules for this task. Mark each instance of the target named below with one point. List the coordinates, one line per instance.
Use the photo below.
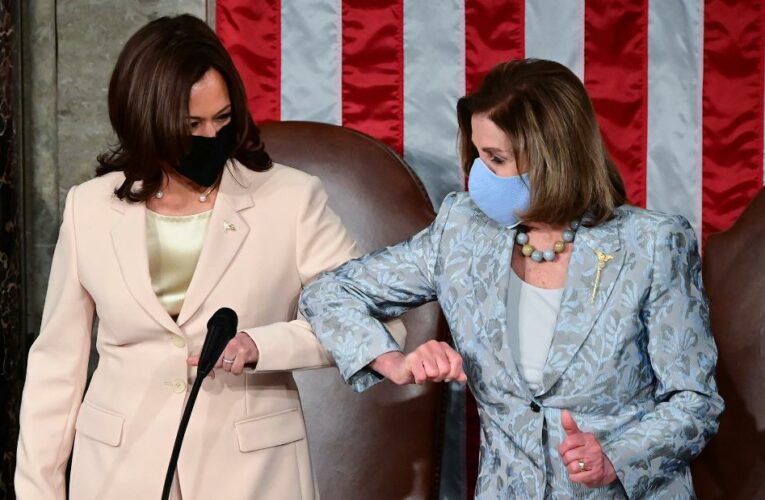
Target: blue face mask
(500, 198)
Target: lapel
(492, 251)
(578, 311)
(226, 232)
(129, 240)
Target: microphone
(220, 329)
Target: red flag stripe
(373, 69)
(494, 32)
(252, 35)
(616, 77)
(732, 108)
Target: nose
(207, 129)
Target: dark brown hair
(149, 97)
(546, 112)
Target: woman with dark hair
(581, 320)
(187, 214)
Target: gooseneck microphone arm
(220, 329)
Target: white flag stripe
(434, 78)
(555, 31)
(311, 60)
(675, 59)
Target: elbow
(310, 298)
(708, 416)
(717, 407)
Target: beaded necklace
(528, 250)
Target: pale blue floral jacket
(635, 365)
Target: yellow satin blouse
(174, 245)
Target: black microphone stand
(220, 329)
(179, 436)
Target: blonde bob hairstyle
(548, 117)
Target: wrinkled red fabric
(373, 69)
(251, 32)
(732, 110)
(616, 77)
(494, 32)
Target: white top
(531, 316)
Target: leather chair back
(385, 443)
(733, 464)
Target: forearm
(344, 306)
(355, 340)
(664, 440)
(53, 389)
(288, 346)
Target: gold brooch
(603, 258)
(227, 226)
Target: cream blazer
(269, 234)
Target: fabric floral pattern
(634, 363)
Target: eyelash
(497, 159)
(221, 118)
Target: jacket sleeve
(322, 244)
(56, 374)
(683, 356)
(345, 306)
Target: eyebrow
(494, 150)
(225, 108)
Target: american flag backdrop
(677, 84)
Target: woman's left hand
(583, 456)
(240, 351)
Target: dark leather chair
(385, 443)
(733, 464)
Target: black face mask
(207, 156)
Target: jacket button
(534, 407)
(178, 341)
(179, 386)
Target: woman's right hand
(432, 361)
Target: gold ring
(581, 465)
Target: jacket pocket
(101, 425)
(270, 430)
